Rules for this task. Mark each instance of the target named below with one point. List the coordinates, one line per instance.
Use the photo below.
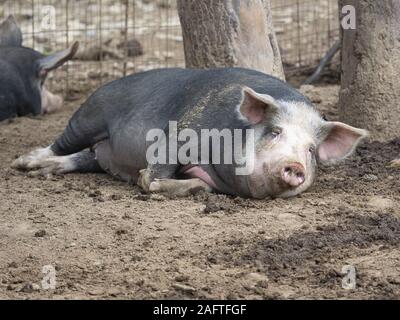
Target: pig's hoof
(395, 164)
(33, 159)
(144, 180)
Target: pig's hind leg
(68, 153)
(84, 161)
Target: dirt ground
(107, 240)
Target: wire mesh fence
(119, 37)
(305, 30)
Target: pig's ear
(10, 33)
(256, 107)
(57, 59)
(340, 140)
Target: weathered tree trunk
(370, 89)
(227, 33)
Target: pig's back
(164, 93)
(130, 106)
(148, 92)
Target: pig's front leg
(153, 172)
(149, 182)
(144, 180)
(395, 163)
(179, 188)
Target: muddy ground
(107, 240)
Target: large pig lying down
(109, 131)
(23, 72)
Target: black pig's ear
(56, 60)
(10, 33)
(256, 107)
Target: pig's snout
(293, 174)
(51, 102)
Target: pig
(110, 132)
(23, 73)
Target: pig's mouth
(194, 171)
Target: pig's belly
(124, 153)
(125, 165)
(192, 171)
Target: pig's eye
(276, 132)
(311, 150)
